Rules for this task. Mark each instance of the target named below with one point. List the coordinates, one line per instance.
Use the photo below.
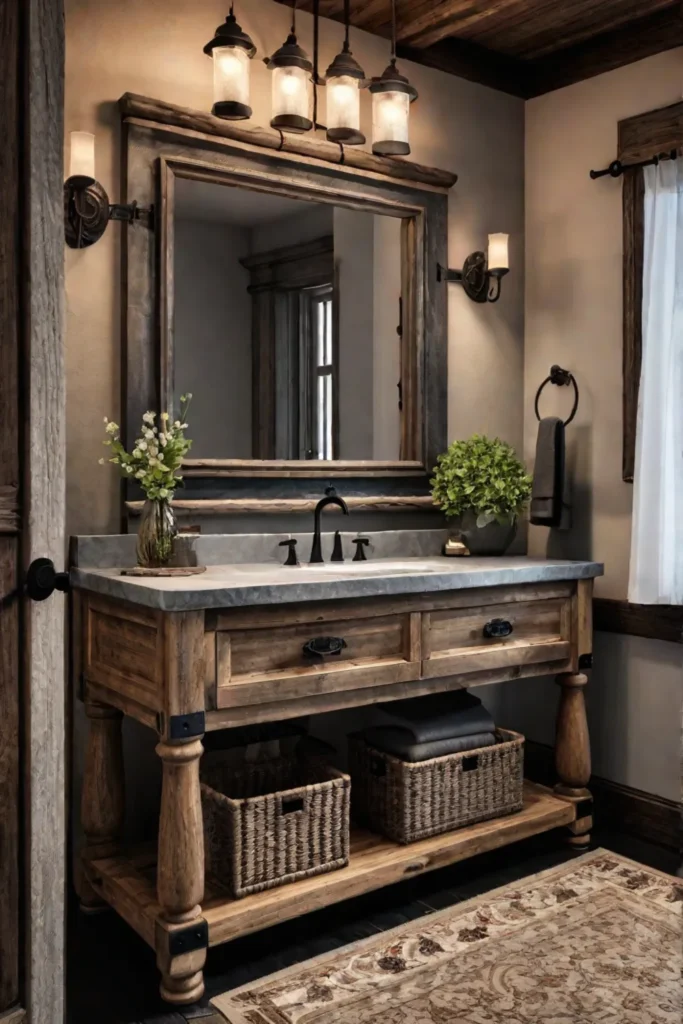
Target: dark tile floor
(112, 977)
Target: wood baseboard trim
(633, 811)
(654, 621)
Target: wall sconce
(291, 76)
(478, 272)
(392, 95)
(345, 78)
(231, 50)
(87, 209)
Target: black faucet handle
(291, 556)
(337, 550)
(361, 544)
(330, 491)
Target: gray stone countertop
(230, 586)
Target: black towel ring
(560, 377)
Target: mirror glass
(286, 325)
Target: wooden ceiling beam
(451, 17)
(639, 39)
(459, 57)
(468, 60)
(551, 26)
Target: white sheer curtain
(656, 571)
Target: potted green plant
(482, 487)
(155, 463)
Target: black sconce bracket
(475, 277)
(87, 211)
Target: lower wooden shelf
(128, 881)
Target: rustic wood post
(573, 756)
(181, 933)
(102, 797)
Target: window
(318, 373)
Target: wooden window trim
(640, 138)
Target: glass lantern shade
(291, 99)
(390, 115)
(343, 110)
(231, 67)
(231, 50)
(392, 95)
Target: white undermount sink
(382, 567)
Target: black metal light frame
(87, 211)
(480, 283)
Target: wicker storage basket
(410, 801)
(273, 822)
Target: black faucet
(331, 498)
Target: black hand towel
(398, 743)
(441, 716)
(547, 491)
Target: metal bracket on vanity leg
(183, 727)
(190, 939)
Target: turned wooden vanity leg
(181, 931)
(573, 755)
(102, 798)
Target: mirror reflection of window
(286, 316)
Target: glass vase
(157, 534)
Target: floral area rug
(595, 941)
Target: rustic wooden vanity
(187, 656)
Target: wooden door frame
(32, 483)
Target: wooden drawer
(454, 640)
(266, 664)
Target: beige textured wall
(574, 317)
(155, 48)
(574, 291)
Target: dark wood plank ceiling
(526, 47)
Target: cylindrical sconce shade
(498, 258)
(231, 83)
(82, 161)
(291, 99)
(392, 95)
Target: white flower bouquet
(157, 455)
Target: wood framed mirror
(291, 286)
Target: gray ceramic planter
(493, 539)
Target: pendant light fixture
(345, 78)
(392, 95)
(291, 69)
(231, 50)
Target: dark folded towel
(442, 716)
(547, 491)
(397, 742)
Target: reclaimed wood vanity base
(184, 673)
(128, 881)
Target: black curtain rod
(616, 168)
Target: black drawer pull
(497, 628)
(324, 646)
